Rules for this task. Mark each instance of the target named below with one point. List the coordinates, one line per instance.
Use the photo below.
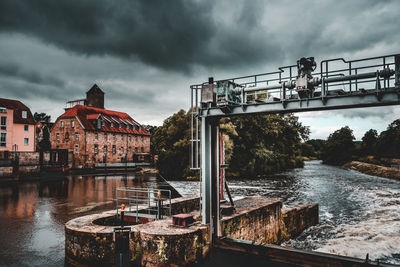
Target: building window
(122, 150)
(66, 135)
(105, 149)
(26, 127)
(62, 124)
(76, 150)
(96, 149)
(26, 141)
(129, 138)
(130, 150)
(24, 114)
(57, 136)
(3, 139)
(105, 137)
(3, 110)
(142, 149)
(114, 137)
(96, 136)
(135, 139)
(72, 124)
(142, 139)
(3, 123)
(122, 137)
(76, 137)
(114, 149)
(135, 149)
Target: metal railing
(337, 77)
(144, 202)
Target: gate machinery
(337, 84)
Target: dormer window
(112, 124)
(24, 114)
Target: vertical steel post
(214, 194)
(205, 169)
(397, 71)
(210, 174)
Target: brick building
(98, 135)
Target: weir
(339, 84)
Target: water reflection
(33, 214)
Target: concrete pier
(159, 243)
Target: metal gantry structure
(334, 84)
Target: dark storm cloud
(145, 54)
(167, 34)
(180, 34)
(12, 70)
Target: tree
(172, 145)
(41, 117)
(254, 146)
(317, 145)
(151, 129)
(368, 143)
(266, 144)
(388, 143)
(339, 147)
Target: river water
(359, 214)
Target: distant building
(98, 135)
(17, 126)
(94, 98)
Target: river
(359, 214)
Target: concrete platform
(159, 243)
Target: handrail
(141, 201)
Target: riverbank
(373, 169)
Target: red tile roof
(18, 107)
(88, 115)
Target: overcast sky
(145, 54)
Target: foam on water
(359, 213)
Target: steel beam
(210, 174)
(369, 99)
(205, 173)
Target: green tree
(151, 129)
(266, 144)
(317, 145)
(172, 145)
(339, 147)
(368, 143)
(41, 117)
(388, 143)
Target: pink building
(17, 126)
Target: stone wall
(28, 163)
(260, 224)
(297, 219)
(158, 243)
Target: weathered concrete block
(297, 219)
(257, 219)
